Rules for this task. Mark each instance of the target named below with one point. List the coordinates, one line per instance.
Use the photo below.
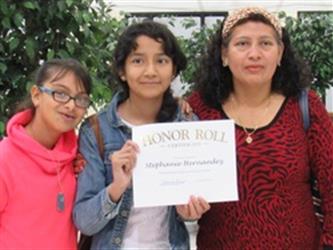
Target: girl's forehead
(68, 80)
(146, 42)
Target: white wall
(289, 6)
(329, 99)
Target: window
(182, 23)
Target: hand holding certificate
(177, 160)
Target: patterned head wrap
(243, 13)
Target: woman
(250, 74)
(147, 58)
(37, 181)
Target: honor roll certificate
(177, 160)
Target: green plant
(193, 48)
(312, 36)
(32, 31)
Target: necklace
(249, 138)
(60, 195)
(60, 199)
(249, 134)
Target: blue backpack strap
(304, 105)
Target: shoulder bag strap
(304, 105)
(94, 123)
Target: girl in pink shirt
(37, 181)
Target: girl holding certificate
(147, 58)
(250, 74)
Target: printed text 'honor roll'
(177, 160)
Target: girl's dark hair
(54, 70)
(214, 82)
(127, 42)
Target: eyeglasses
(81, 101)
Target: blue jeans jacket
(94, 212)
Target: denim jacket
(94, 212)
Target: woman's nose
(254, 52)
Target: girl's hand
(194, 209)
(79, 163)
(123, 162)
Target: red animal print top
(275, 209)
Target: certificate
(177, 160)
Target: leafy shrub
(32, 31)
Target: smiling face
(148, 71)
(253, 53)
(55, 116)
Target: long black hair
(127, 43)
(214, 82)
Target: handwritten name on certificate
(177, 160)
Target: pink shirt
(31, 178)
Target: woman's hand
(185, 107)
(194, 209)
(123, 162)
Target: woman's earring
(123, 78)
(279, 63)
(225, 62)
